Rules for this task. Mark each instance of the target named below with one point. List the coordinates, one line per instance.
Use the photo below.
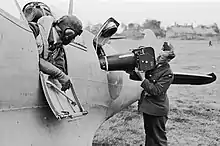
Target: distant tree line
(135, 30)
(189, 32)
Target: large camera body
(142, 58)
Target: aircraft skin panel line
(22, 108)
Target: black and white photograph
(109, 73)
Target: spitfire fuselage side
(25, 117)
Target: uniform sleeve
(158, 87)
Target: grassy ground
(194, 118)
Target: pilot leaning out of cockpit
(51, 35)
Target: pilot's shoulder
(45, 20)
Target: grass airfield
(194, 118)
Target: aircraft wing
(185, 78)
(193, 79)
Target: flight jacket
(154, 100)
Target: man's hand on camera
(141, 74)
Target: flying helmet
(34, 10)
(69, 27)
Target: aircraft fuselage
(26, 118)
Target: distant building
(202, 30)
(180, 31)
(188, 32)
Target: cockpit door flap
(63, 105)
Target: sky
(167, 11)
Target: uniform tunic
(154, 99)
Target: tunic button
(150, 75)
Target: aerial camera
(141, 58)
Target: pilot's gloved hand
(66, 85)
(64, 80)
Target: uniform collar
(161, 66)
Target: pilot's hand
(66, 86)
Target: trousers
(155, 131)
